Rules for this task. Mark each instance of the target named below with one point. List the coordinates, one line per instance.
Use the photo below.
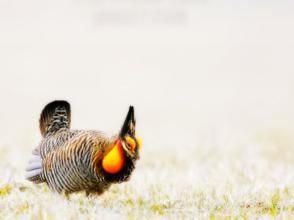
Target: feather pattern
(71, 160)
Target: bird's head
(130, 143)
(125, 149)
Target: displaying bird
(78, 160)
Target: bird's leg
(66, 195)
(94, 193)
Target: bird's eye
(131, 142)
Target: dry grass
(223, 181)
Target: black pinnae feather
(129, 124)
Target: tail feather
(55, 115)
(34, 169)
(33, 166)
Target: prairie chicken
(76, 160)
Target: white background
(194, 70)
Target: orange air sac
(114, 161)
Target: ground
(225, 180)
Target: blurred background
(198, 72)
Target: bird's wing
(52, 143)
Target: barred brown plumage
(71, 160)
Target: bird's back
(55, 141)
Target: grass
(236, 181)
